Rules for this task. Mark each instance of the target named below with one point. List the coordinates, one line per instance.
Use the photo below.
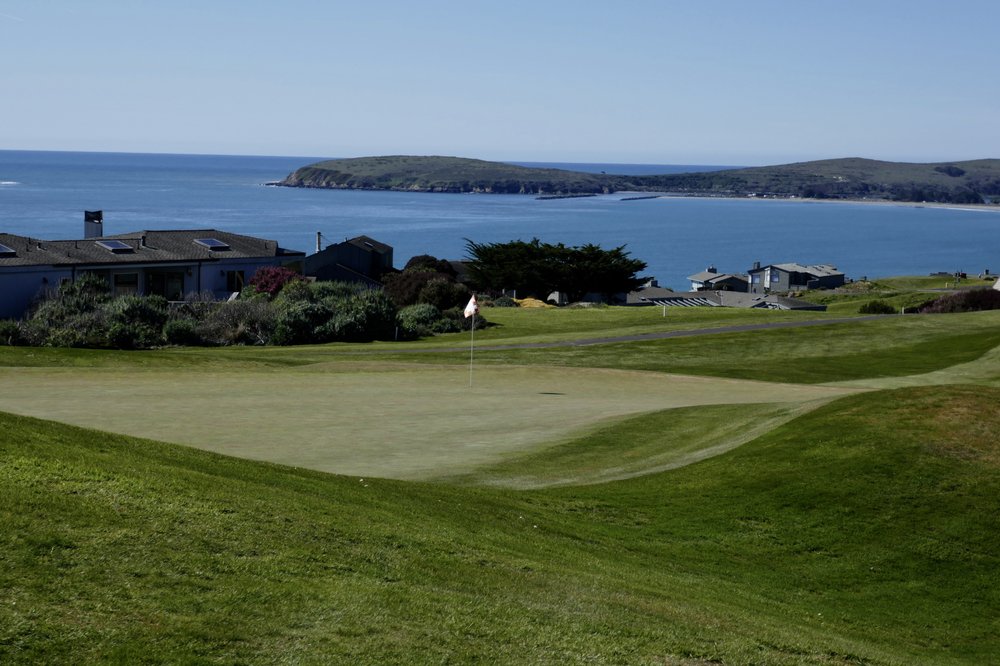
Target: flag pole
(472, 347)
(470, 311)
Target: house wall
(213, 276)
(772, 279)
(827, 282)
(729, 284)
(323, 265)
(767, 279)
(21, 285)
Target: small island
(968, 182)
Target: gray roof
(708, 277)
(367, 243)
(726, 299)
(139, 247)
(818, 270)
(704, 275)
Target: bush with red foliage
(271, 279)
(971, 300)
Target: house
(711, 280)
(717, 299)
(166, 263)
(793, 277)
(360, 259)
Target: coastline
(983, 208)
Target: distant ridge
(854, 178)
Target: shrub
(135, 322)
(182, 331)
(65, 322)
(455, 320)
(324, 291)
(404, 288)
(295, 291)
(369, 315)
(240, 322)
(271, 279)
(88, 287)
(10, 332)
(443, 294)
(302, 322)
(877, 307)
(428, 263)
(972, 300)
(503, 302)
(418, 320)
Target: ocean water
(44, 194)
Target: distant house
(716, 299)
(712, 280)
(793, 277)
(360, 259)
(167, 263)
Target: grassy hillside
(975, 181)
(860, 533)
(849, 178)
(444, 174)
(847, 515)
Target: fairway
(370, 419)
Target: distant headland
(967, 182)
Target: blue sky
(703, 82)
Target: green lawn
(819, 495)
(862, 532)
(891, 346)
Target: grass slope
(862, 532)
(847, 178)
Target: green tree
(535, 268)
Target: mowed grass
(371, 419)
(861, 532)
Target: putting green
(369, 419)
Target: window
(775, 276)
(169, 284)
(234, 280)
(125, 284)
(7, 251)
(213, 244)
(115, 246)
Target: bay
(44, 194)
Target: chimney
(711, 269)
(756, 265)
(319, 241)
(142, 241)
(93, 223)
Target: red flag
(472, 308)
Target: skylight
(7, 251)
(213, 244)
(115, 246)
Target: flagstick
(472, 347)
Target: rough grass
(893, 346)
(861, 532)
